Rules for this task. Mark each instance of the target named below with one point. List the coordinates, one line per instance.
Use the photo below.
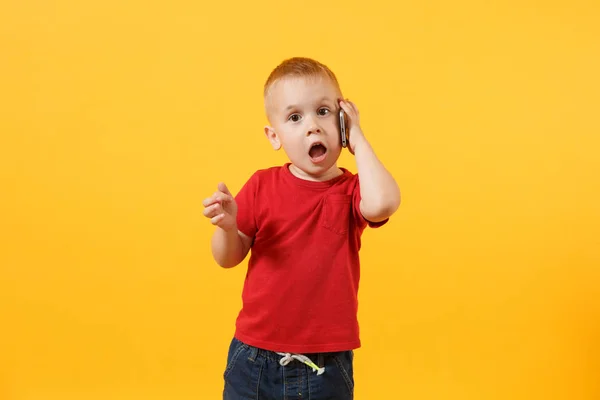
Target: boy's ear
(273, 137)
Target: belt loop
(253, 353)
(321, 360)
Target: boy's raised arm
(380, 194)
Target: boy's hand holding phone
(352, 124)
(221, 208)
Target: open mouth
(317, 152)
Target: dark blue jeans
(255, 374)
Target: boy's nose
(313, 127)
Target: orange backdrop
(118, 118)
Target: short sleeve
(358, 216)
(246, 202)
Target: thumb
(223, 188)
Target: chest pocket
(336, 213)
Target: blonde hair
(299, 67)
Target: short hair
(299, 67)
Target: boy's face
(304, 116)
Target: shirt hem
(297, 348)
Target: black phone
(343, 133)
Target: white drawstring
(287, 358)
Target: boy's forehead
(294, 89)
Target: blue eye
(294, 117)
(323, 111)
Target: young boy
(298, 327)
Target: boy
(303, 222)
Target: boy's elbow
(388, 209)
(221, 255)
(224, 259)
(225, 264)
(393, 202)
(383, 209)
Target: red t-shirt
(300, 292)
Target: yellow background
(118, 117)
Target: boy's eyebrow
(295, 106)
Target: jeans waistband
(255, 352)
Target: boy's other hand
(221, 208)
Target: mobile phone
(343, 134)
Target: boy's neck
(331, 173)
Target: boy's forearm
(378, 189)
(227, 248)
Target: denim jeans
(256, 374)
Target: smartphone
(343, 134)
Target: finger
(209, 200)
(217, 219)
(351, 105)
(213, 210)
(354, 107)
(223, 188)
(224, 198)
(346, 107)
(217, 197)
